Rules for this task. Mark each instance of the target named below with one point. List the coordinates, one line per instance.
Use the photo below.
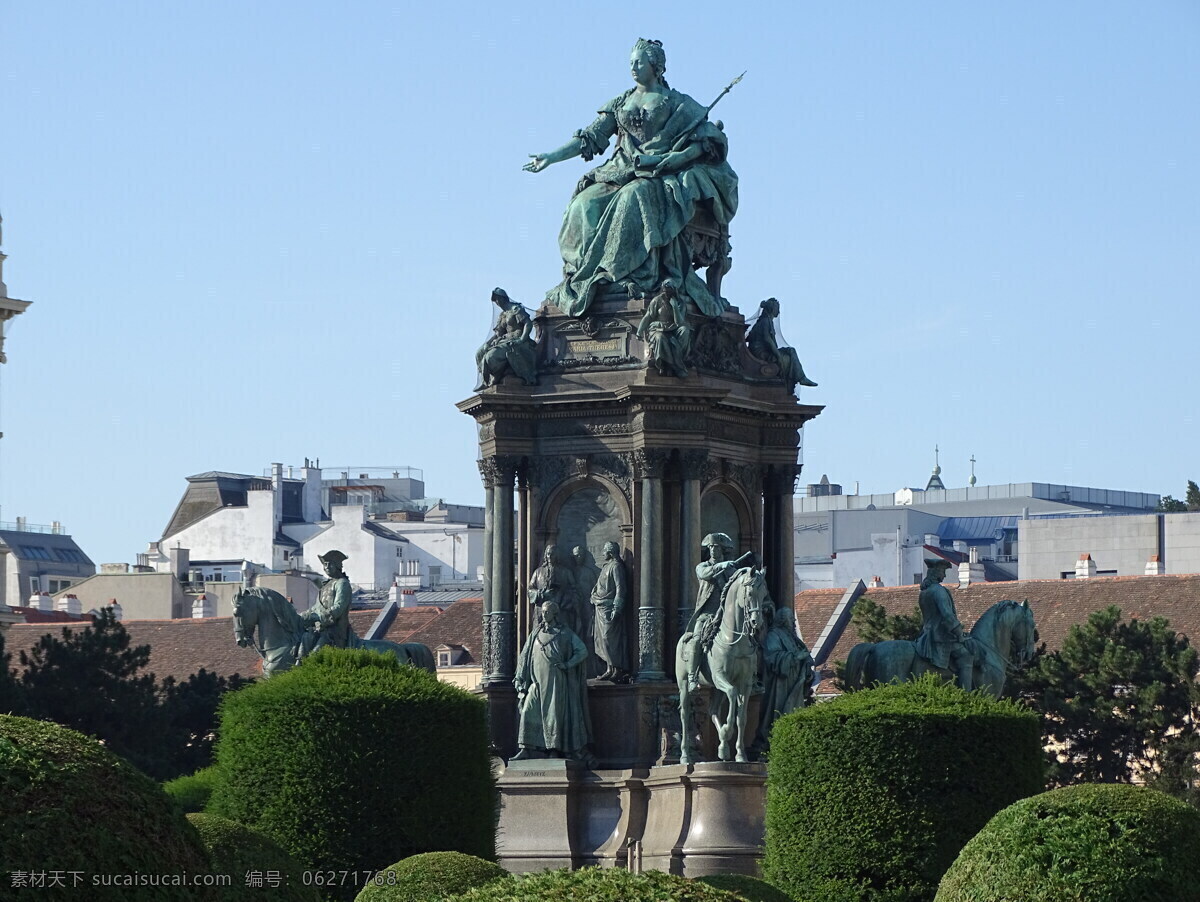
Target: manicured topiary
(70, 806)
(872, 795)
(1087, 843)
(257, 865)
(432, 875)
(752, 889)
(191, 793)
(596, 885)
(749, 888)
(353, 761)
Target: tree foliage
(93, 680)
(875, 624)
(1192, 498)
(1170, 505)
(1118, 700)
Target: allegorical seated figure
(329, 619)
(765, 346)
(941, 642)
(511, 348)
(552, 692)
(787, 673)
(625, 223)
(665, 331)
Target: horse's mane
(275, 604)
(987, 618)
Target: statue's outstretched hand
(537, 163)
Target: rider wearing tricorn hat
(713, 574)
(330, 616)
(941, 642)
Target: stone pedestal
(689, 819)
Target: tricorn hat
(933, 562)
(331, 557)
(717, 538)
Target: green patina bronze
(552, 692)
(510, 348)
(626, 222)
(787, 674)
(609, 596)
(1003, 638)
(764, 345)
(266, 620)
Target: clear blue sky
(263, 231)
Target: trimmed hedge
(596, 885)
(191, 793)
(432, 875)
(1087, 843)
(749, 888)
(872, 795)
(353, 761)
(70, 805)
(238, 851)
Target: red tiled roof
(35, 615)
(406, 622)
(460, 624)
(813, 609)
(178, 648)
(1057, 604)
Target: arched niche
(724, 510)
(586, 511)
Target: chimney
(875, 583)
(310, 500)
(180, 561)
(203, 607)
(277, 494)
(41, 601)
(70, 605)
(1155, 567)
(118, 611)
(970, 570)
(1085, 567)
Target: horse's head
(1024, 635)
(747, 589)
(244, 617)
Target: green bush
(749, 888)
(191, 793)
(596, 885)
(241, 852)
(872, 795)
(1087, 843)
(70, 805)
(432, 875)
(353, 761)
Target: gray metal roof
(966, 529)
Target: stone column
(524, 550)
(778, 541)
(487, 472)
(501, 624)
(649, 465)
(691, 465)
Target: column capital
(498, 469)
(692, 463)
(650, 463)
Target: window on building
(59, 585)
(443, 659)
(435, 576)
(35, 584)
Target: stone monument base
(690, 820)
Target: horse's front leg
(743, 712)
(727, 724)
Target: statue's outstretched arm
(540, 161)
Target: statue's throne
(709, 241)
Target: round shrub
(353, 761)
(1088, 843)
(749, 888)
(597, 885)
(872, 795)
(191, 793)
(70, 805)
(432, 875)
(239, 851)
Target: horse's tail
(855, 674)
